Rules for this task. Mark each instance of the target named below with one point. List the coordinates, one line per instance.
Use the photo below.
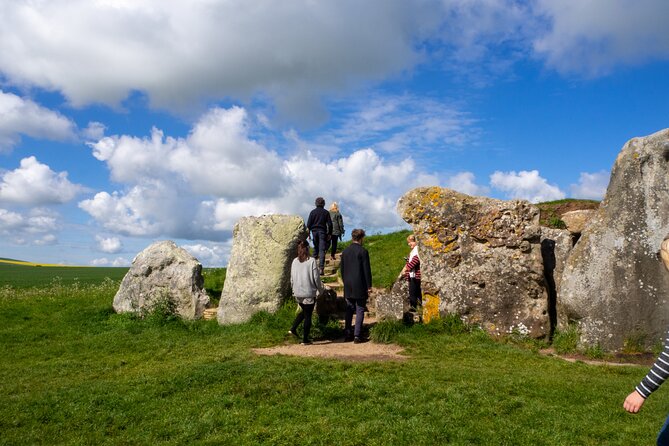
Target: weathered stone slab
(392, 304)
(614, 287)
(258, 274)
(481, 257)
(576, 220)
(163, 274)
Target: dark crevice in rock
(574, 238)
(548, 256)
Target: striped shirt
(413, 265)
(658, 373)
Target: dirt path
(347, 351)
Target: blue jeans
(320, 246)
(663, 436)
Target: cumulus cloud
(216, 158)
(34, 183)
(110, 245)
(591, 186)
(178, 53)
(94, 131)
(591, 37)
(19, 116)
(168, 191)
(210, 254)
(527, 185)
(35, 226)
(465, 182)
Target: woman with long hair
(337, 228)
(306, 282)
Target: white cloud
(34, 183)
(169, 193)
(35, 226)
(591, 37)
(527, 185)
(20, 116)
(94, 131)
(110, 245)
(117, 262)
(211, 254)
(591, 186)
(48, 239)
(464, 182)
(179, 53)
(406, 124)
(217, 158)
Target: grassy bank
(73, 372)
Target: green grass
(22, 276)
(73, 372)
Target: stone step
(330, 270)
(210, 313)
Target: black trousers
(415, 293)
(333, 244)
(357, 306)
(304, 315)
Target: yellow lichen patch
(430, 307)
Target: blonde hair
(411, 238)
(334, 206)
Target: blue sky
(123, 122)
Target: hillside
(552, 211)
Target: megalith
(258, 274)
(481, 258)
(614, 287)
(163, 274)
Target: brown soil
(346, 351)
(617, 359)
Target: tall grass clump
(566, 341)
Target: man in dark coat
(319, 227)
(356, 273)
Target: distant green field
(25, 276)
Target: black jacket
(356, 272)
(319, 218)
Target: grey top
(305, 280)
(337, 223)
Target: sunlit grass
(74, 372)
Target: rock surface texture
(167, 275)
(576, 220)
(614, 287)
(258, 275)
(481, 257)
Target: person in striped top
(412, 273)
(657, 374)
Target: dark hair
(302, 250)
(357, 234)
(320, 202)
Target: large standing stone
(614, 287)
(481, 258)
(258, 275)
(163, 274)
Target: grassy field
(73, 372)
(22, 275)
